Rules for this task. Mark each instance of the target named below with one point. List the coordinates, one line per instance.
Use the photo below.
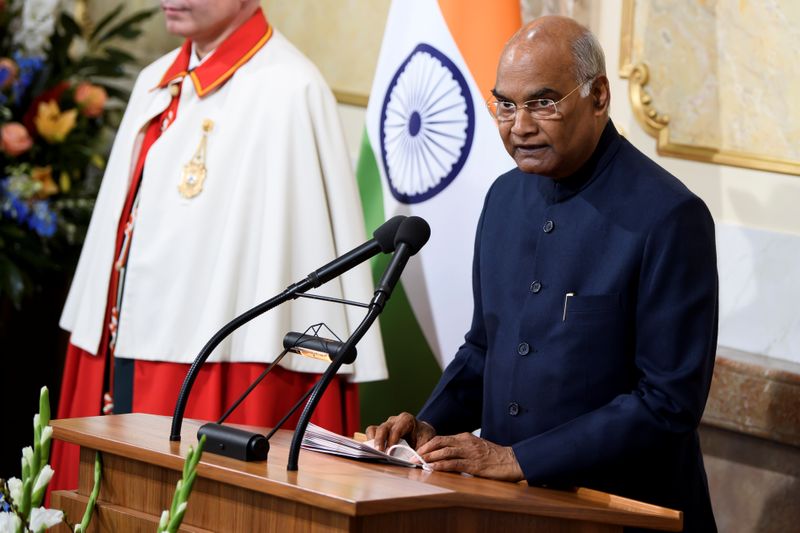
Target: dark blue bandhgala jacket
(594, 331)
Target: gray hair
(589, 60)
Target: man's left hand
(467, 453)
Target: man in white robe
(229, 180)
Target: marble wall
(722, 81)
(759, 291)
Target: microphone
(412, 235)
(383, 240)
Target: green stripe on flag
(413, 370)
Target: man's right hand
(403, 426)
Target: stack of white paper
(321, 440)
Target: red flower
(52, 94)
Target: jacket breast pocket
(593, 306)
(595, 342)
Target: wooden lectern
(327, 494)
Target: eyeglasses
(505, 111)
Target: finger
(381, 434)
(452, 465)
(435, 443)
(403, 425)
(371, 432)
(443, 454)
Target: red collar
(234, 52)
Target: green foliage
(87, 514)
(171, 519)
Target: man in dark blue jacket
(592, 344)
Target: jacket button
(524, 348)
(548, 226)
(536, 286)
(513, 408)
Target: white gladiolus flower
(164, 520)
(38, 21)
(15, 489)
(44, 477)
(47, 434)
(27, 460)
(45, 518)
(9, 523)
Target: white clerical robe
(279, 201)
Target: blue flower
(28, 68)
(4, 507)
(11, 205)
(42, 219)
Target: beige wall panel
(343, 38)
(154, 42)
(753, 198)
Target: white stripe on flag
(429, 111)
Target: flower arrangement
(60, 100)
(21, 500)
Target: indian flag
(431, 149)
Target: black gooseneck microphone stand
(383, 241)
(412, 234)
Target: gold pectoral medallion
(194, 172)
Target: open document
(321, 440)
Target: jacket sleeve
(675, 343)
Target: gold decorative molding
(657, 124)
(642, 103)
(351, 98)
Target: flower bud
(15, 489)
(44, 477)
(47, 434)
(162, 524)
(44, 405)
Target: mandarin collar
(555, 191)
(231, 54)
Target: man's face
(557, 146)
(199, 20)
